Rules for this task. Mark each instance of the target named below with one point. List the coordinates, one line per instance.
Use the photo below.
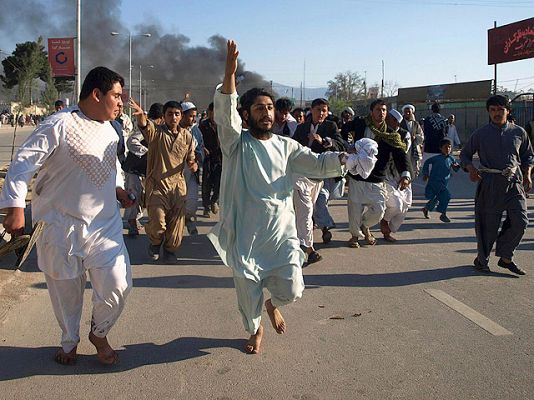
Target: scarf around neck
(392, 138)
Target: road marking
(472, 315)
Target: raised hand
(138, 113)
(231, 58)
(230, 67)
(136, 107)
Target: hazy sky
(421, 42)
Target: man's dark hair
(498, 100)
(210, 106)
(155, 111)
(250, 96)
(100, 78)
(171, 104)
(283, 104)
(59, 103)
(377, 102)
(320, 102)
(435, 107)
(298, 109)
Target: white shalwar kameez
(256, 235)
(75, 195)
(398, 201)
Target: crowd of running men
(269, 173)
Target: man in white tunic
(256, 235)
(76, 191)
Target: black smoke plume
(178, 67)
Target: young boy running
(436, 191)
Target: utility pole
(304, 83)
(382, 90)
(365, 84)
(495, 69)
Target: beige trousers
(166, 220)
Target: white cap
(395, 114)
(348, 110)
(187, 105)
(408, 106)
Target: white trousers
(305, 192)
(191, 200)
(110, 285)
(397, 206)
(366, 205)
(285, 285)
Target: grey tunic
(499, 148)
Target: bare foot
(277, 321)
(389, 238)
(105, 354)
(66, 358)
(254, 343)
(384, 227)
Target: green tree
(28, 62)
(337, 105)
(346, 86)
(64, 84)
(50, 94)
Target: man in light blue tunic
(256, 235)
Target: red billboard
(61, 56)
(511, 42)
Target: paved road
(6, 140)
(366, 328)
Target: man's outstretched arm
(228, 86)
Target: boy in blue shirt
(436, 191)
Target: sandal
(371, 240)
(63, 358)
(313, 257)
(353, 242)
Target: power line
(460, 3)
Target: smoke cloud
(177, 68)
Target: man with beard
(415, 152)
(256, 235)
(398, 201)
(506, 161)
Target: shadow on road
(396, 278)
(21, 362)
(338, 280)
(194, 250)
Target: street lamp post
(130, 61)
(140, 81)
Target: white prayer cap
(348, 110)
(408, 106)
(187, 105)
(395, 114)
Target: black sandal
(313, 257)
